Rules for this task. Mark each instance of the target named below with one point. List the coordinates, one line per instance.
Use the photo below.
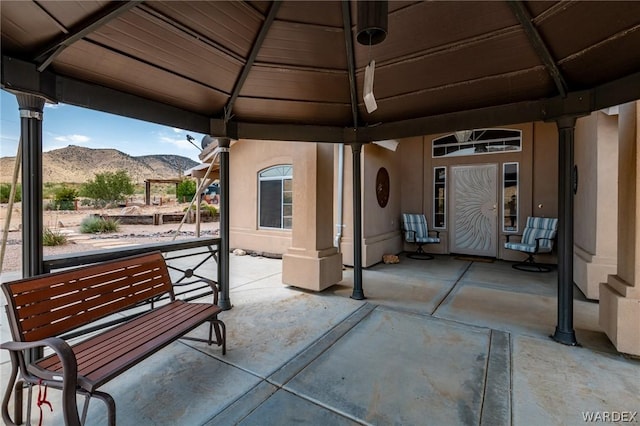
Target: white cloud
(180, 142)
(53, 106)
(78, 139)
(176, 130)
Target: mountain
(76, 164)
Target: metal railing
(187, 286)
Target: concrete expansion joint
(454, 286)
(310, 353)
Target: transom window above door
(477, 141)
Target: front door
(474, 212)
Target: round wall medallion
(382, 187)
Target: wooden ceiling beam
(539, 46)
(87, 26)
(255, 49)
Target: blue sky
(65, 125)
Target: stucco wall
(246, 159)
(380, 225)
(410, 170)
(595, 203)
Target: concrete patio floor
(439, 342)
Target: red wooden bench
(41, 309)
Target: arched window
(275, 206)
(477, 141)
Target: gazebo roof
(292, 70)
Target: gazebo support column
(358, 292)
(223, 256)
(31, 108)
(312, 262)
(620, 295)
(564, 332)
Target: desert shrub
(64, 198)
(53, 238)
(213, 210)
(5, 190)
(205, 208)
(96, 224)
(108, 188)
(186, 189)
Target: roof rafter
(255, 49)
(351, 60)
(85, 27)
(539, 46)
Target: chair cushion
(416, 223)
(539, 227)
(527, 248)
(427, 240)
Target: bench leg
(221, 334)
(16, 388)
(111, 406)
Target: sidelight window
(439, 197)
(510, 196)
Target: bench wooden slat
(72, 284)
(70, 317)
(83, 290)
(98, 348)
(107, 355)
(81, 298)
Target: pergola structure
(293, 71)
(147, 187)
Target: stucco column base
(620, 314)
(589, 271)
(311, 272)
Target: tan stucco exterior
(620, 295)
(410, 169)
(596, 201)
(311, 261)
(380, 226)
(247, 158)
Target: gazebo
(296, 71)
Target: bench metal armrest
(69, 376)
(214, 286)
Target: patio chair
(537, 237)
(414, 227)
